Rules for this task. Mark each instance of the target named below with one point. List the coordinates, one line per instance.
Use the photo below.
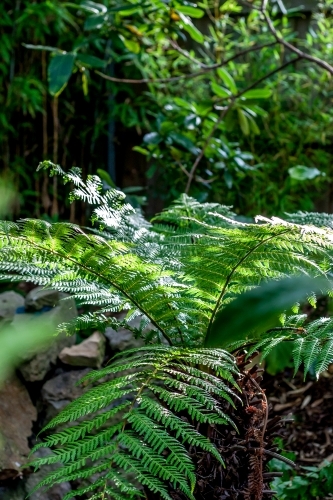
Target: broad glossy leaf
(228, 179)
(254, 312)
(94, 62)
(253, 125)
(188, 26)
(258, 94)
(131, 45)
(191, 121)
(182, 103)
(243, 122)
(93, 7)
(220, 91)
(105, 176)
(123, 8)
(152, 138)
(141, 150)
(227, 79)
(185, 142)
(94, 22)
(302, 173)
(59, 72)
(190, 11)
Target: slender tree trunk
(45, 197)
(55, 205)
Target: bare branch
(186, 54)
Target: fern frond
(311, 218)
(150, 439)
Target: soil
(309, 404)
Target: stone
(17, 414)
(9, 303)
(41, 297)
(61, 390)
(89, 353)
(56, 492)
(36, 365)
(123, 338)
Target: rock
(124, 339)
(40, 297)
(61, 390)
(56, 492)
(9, 303)
(36, 365)
(89, 353)
(16, 416)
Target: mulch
(309, 404)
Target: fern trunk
(246, 454)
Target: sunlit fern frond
(312, 219)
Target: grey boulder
(35, 365)
(17, 414)
(89, 353)
(9, 303)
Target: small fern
(132, 430)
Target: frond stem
(92, 271)
(286, 328)
(232, 272)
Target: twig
(268, 75)
(205, 69)
(182, 168)
(186, 54)
(206, 144)
(283, 328)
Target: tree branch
(288, 45)
(205, 69)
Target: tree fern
(133, 429)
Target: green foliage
(179, 273)
(307, 482)
(261, 308)
(269, 153)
